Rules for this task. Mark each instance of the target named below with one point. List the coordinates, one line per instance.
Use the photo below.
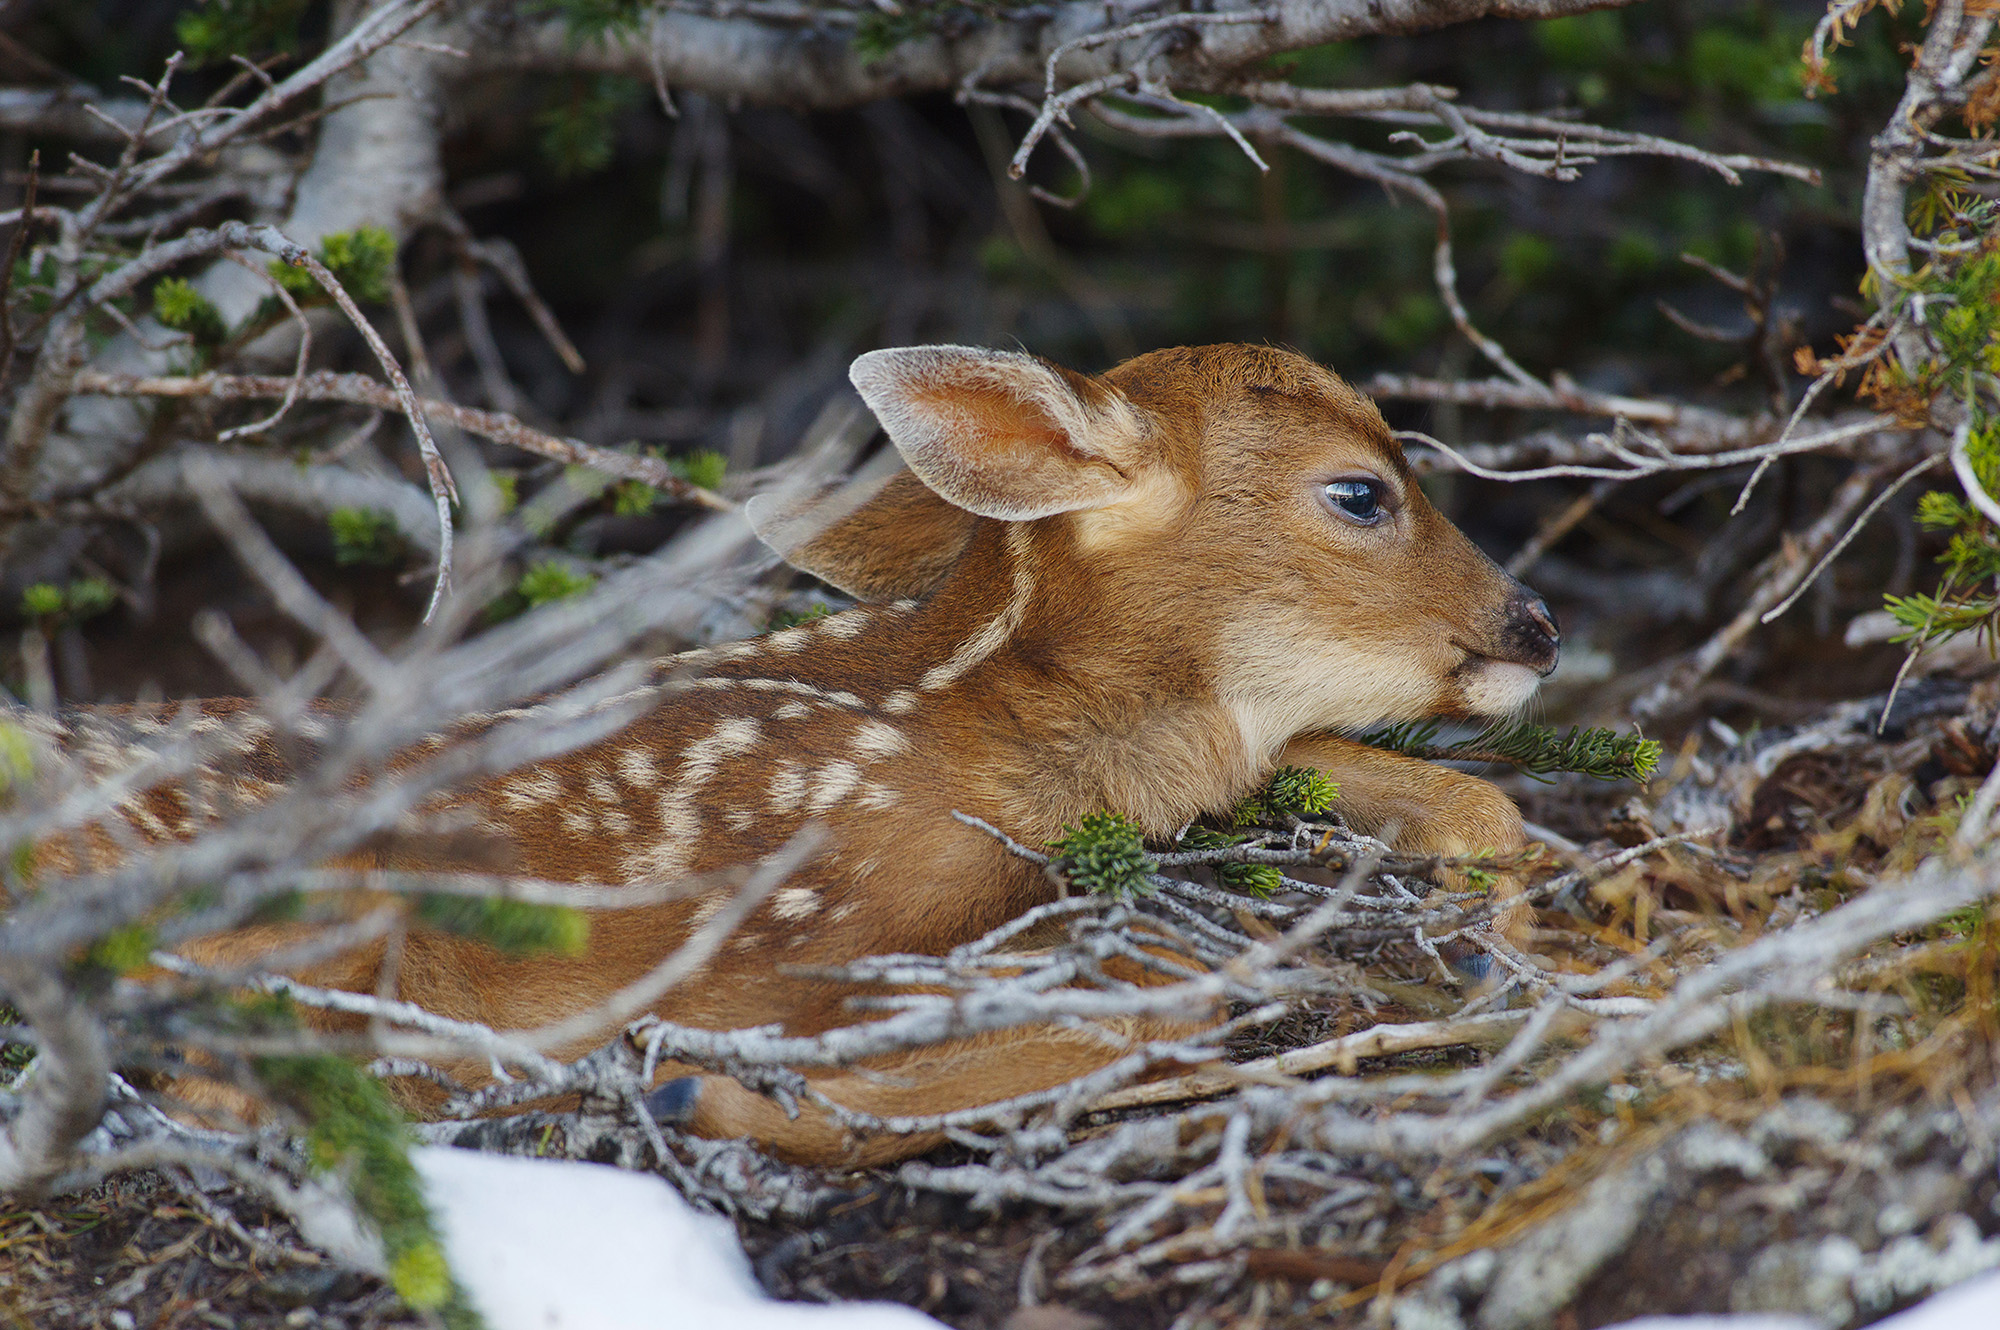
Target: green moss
(363, 536)
(1963, 315)
(1133, 201)
(42, 600)
(578, 125)
(123, 950)
(551, 581)
(355, 1132)
(17, 757)
(219, 29)
(84, 598)
(180, 307)
(1581, 41)
(361, 260)
(704, 467)
(811, 614)
(633, 498)
(515, 927)
(1526, 258)
(1536, 750)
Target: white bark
(817, 68)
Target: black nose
(1532, 633)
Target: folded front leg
(1430, 809)
(1418, 807)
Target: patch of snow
(1756, 1321)
(1973, 1305)
(544, 1244)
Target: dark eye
(1357, 500)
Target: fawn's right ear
(1003, 434)
(889, 539)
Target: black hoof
(1477, 967)
(673, 1101)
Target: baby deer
(1139, 592)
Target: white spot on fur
(900, 702)
(791, 711)
(533, 790)
(731, 738)
(844, 699)
(848, 624)
(142, 817)
(788, 787)
(602, 790)
(834, 782)
(636, 765)
(878, 797)
(998, 630)
(792, 639)
(666, 855)
(794, 902)
(877, 740)
(741, 650)
(576, 821)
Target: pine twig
(1536, 750)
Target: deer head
(1240, 506)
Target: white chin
(1500, 689)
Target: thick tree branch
(812, 65)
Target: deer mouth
(1496, 686)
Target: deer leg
(922, 1083)
(1429, 809)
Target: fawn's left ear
(1003, 434)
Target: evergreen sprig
(1291, 792)
(515, 927)
(1537, 750)
(1254, 879)
(1105, 853)
(354, 1132)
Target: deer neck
(1073, 690)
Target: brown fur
(1177, 614)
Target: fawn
(1141, 592)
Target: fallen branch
(1343, 1054)
(360, 390)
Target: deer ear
(1002, 434)
(877, 539)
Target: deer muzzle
(1530, 636)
